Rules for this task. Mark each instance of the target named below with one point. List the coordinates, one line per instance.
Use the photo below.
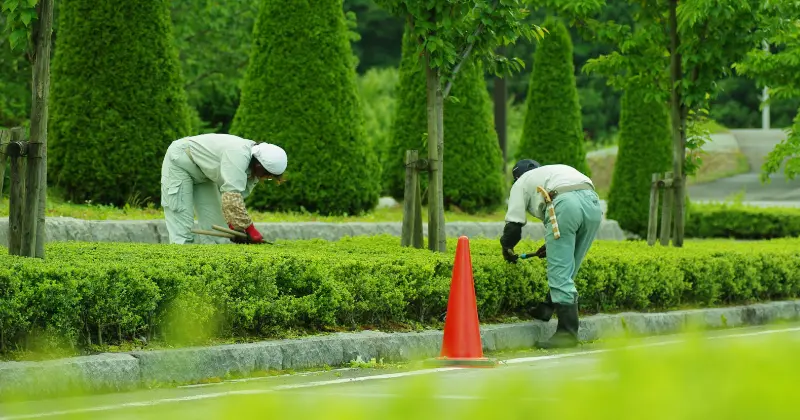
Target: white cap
(271, 157)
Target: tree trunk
(437, 241)
(500, 97)
(36, 200)
(678, 132)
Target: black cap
(523, 166)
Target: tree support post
(668, 188)
(666, 185)
(17, 150)
(412, 201)
(652, 223)
(5, 138)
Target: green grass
(91, 211)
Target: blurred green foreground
(747, 375)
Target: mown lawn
(89, 211)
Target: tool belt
(569, 188)
(549, 196)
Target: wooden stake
(418, 239)
(652, 223)
(16, 150)
(5, 138)
(409, 198)
(666, 209)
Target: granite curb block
(127, 371)
(62, 229)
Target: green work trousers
(579, 216)
(185, 190)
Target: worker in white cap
(212, 175)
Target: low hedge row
(739, 221)
(85, 293)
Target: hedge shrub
(645, 147)
(553, 131)
(117, 100)
(300, 92)
(737, 221)
(473, 162)
(189, 293)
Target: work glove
(510, 256)
(254, 236)
(541, 252)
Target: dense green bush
(553, 132)
(377, 91)
(117, 100)
(188, 293)
(645, 147)
(726, 220)
(300, 93)
(473, 162)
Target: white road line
(365, 378)
(385, 395)
(721, 337)
(262, 378)
(137, 404)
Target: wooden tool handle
(212, 233)
(230, 231)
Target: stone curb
(128, 371)
(62, 229)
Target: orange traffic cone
(461, 344)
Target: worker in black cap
(565, 200)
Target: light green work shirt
(525, 197)
(225, 160)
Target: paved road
(532, 378)
(755, 145)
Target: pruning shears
(223, 232)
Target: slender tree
(473, 179)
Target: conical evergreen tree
(553, 131)
(645, 148)
(117, 100)
(300, 93)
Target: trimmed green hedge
(300, 93)
(184, 294)
(737, 221)
(117, 100)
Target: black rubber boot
(544, 310)
(567, 331)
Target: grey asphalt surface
(448, 391)
(755, 144)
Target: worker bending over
(565, 200)
(212, 174)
